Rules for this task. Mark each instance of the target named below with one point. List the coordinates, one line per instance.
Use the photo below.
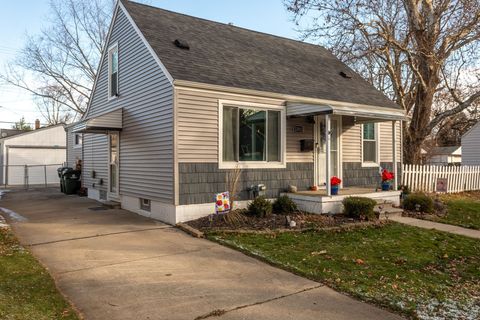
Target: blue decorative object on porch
(385, 185)
(334, 190)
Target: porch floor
(342, 192)
(320, 202)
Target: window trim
(377, 147)
(112, 48)
(252, 164)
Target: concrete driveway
(113, 264)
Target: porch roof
(110, 121)
(363, 113)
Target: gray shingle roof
(226, 55)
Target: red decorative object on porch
(387, 175)
(334, 181)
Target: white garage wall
(45, 146)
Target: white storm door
(320, 156)
(113, 164)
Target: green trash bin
(71, 182)
(61, 171)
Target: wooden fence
(424, 177)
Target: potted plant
(387, 178)
(334, 185)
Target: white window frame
(75, 144)
(377, 148)
(111, 49)
(252, 164)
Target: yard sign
(222, 202)
(442, 185)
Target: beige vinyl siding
(146, 140)
(352, 141)
(471, 147)
(294, 154)
(197, 122)
(386, 146)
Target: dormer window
(113, 72)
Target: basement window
(113, 71)
(145, 204)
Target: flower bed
(245, 222)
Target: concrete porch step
(387, 210)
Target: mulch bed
(273, 222)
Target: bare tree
(54, 110)
(423, 54)
(64, 56)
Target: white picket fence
(424, 177)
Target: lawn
(419, 273)
(26, 289)
(463, 210)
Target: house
(443, 156)
(32, 157)
(4, 133)
(471, 146)
(180, 104)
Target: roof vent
(182, 44)
(345, 75)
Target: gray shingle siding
(354, 175)
(146, 141)
(200, 181)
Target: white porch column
(328, 153)
(394, 155)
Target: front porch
(321, 202)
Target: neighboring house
(443, 156)
(5, 133)
(471, 146)
(31, 156)
(180, 103)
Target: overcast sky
(21, 17)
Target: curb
(190, 230)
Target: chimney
(37, 124)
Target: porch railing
(426, 178)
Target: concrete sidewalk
(425, 224)
(113, 264)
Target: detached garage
(32, 158)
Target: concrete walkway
(437, 226)
(113, 264)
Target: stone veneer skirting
(200, 181)
(356, 175)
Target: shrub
(424, 203)
(359, 208)
(284, 204)
(405, 190)
(260, 207)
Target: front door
(113, 167)
(321, 147)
